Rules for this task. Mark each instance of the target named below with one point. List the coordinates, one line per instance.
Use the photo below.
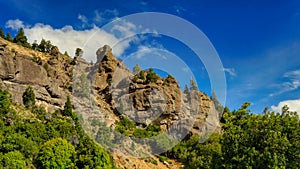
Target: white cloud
(100, 17)
(68, 39)
(293, 83)
(83, 18)
(14, 24)
(230, 71)
(294, 105)
(292, 74)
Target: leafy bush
(56, 153)
(14, 160)
(151, 77)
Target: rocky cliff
(108, 85)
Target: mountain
(107, 95)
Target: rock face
(161, 102)
(48, 78)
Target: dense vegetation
(45, 140)
(268, 140)
(128, 128)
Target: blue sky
(258, 42)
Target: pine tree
(21, 39)
(66, 53)
(2, 33)
(186, 89)
(42, 46)
(68, 108)
(35, 45)
(29, 97)
(48, 46)
(8, 37)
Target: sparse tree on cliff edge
(78, 52)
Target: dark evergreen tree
(35, 45)
(42, 45)
(78, 52)
(68, 107)
(29, 97)
(8, 37)
(2, 33)
(21, 39)
(48, 46)
(66, 53)
(186, 89)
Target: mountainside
(107, 91)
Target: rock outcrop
(49, 79)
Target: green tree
(91, 155)
(151, 76)
(78, 52)
(261, 141)
(136, 69)
(42, 46)
(186, 89)
(13, 160)
(8, 37)
(29, 97)
(21, 39)
(67, 111)
(2, 33)
(196, 155)
(56, 153)
(5, 101)
(66, 53)
(48, 46)
(35, 45)
(45, 46)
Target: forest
(31, 137)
